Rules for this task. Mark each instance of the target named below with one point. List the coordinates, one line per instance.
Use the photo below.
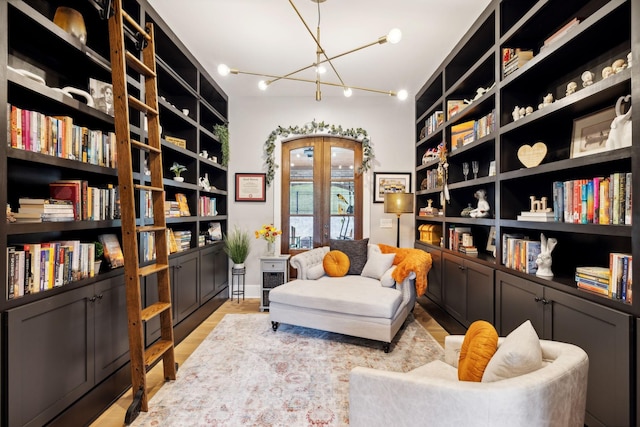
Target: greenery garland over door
(312, 128)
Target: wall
(388, 121)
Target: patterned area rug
(243, 373)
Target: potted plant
(97, 257)
(237, 245)
(177, 169)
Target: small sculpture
(204, 154)
(547, 100)
(466, 212)
(618, 65)
(571, 88)
(544, 260)
(539, 205)
(482, 211)
(204, 182)
(516, 113)
(587, 78)
(528, 110)
(522, 112)
(629, 60)
(606, 72)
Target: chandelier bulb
(263, 85)
(348, 92)
(402, 95)
(223, 70)
(321, 69)
(394, 36)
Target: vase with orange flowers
(269, 233)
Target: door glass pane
(301, 198)
(342, 193)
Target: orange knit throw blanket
(408, 260)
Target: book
(462, 134)
(455, 106)
(183, 204)
(23, 201)
(561, 31)
(533, 248)
(537, 216)
(215, 231)
(600, 272)
(112, 250)
(68, 190)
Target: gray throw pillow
(356, 250)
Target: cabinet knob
(545, 301)
(461, 268)
(92, 299)
(537, 299)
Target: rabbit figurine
(544, 259)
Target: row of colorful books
(520, 253)
(58, 136)
(433, 122)
(71, 200)
(598, 200)
(615, 282)
(37, 267)
(207, 206)
(513, 59)
(177, 241)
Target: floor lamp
(398, 203)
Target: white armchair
(431, 395)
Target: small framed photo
(492, 168)
(491, 241)
(102, 94)
(390, 182)
(251, 187)
(590, 133)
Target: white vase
(271, 248)
(178, 178)
(238, 266)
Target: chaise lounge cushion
(353, 295)
(377, 263)
(336, 263)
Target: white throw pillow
(377, 264)
(315, 272)
(519, 354)
(386, 280)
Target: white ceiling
(266, 36)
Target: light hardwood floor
(114, 415)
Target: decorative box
(430, 233)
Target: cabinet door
(605, 334)
(50, 354)
(480, 298)
(455, 287)
(518, 300)
(222, 270)
(111, 335)
(152, 327)
(207, 273)
(185, 282)
(434, 279)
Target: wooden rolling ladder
(163, 349)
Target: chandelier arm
(297, 79)
(320, 48)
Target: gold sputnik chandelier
(322, 58)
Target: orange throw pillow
(479, 345)
(336, 263)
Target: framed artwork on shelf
(491, 241)
(251, 187)
(390, 182)
(590, 133)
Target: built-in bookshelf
(52, 134)
(539, 73)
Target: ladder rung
(135, 25)
(153, 310)
(148, 188)
(143, 146)
(150, 228)
(138, 65)
(150, 269)
(156, 351)
(141, 106)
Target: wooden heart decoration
(532, 156)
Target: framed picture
(390, 182)
(251, 187)
(491, 241)
(102, 93)
(590, 133)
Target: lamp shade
(398, 203)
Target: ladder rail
(141, 358)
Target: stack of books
(44, 210)
(513, 59)
(594, 279)
(537, 216)
(469, 250)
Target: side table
(274, 271)
(237, 282)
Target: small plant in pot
(97, 257)
(237, 245)
(177, 169)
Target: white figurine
(528, 110)
(204, 182)
(547, 100)
(544, 260)
(571, 88)
(606, 72)
(482, 211)
(522, 112)
(629, 60)
(618, 65)
(587, 78)
(516, 113)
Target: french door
(321, 192)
